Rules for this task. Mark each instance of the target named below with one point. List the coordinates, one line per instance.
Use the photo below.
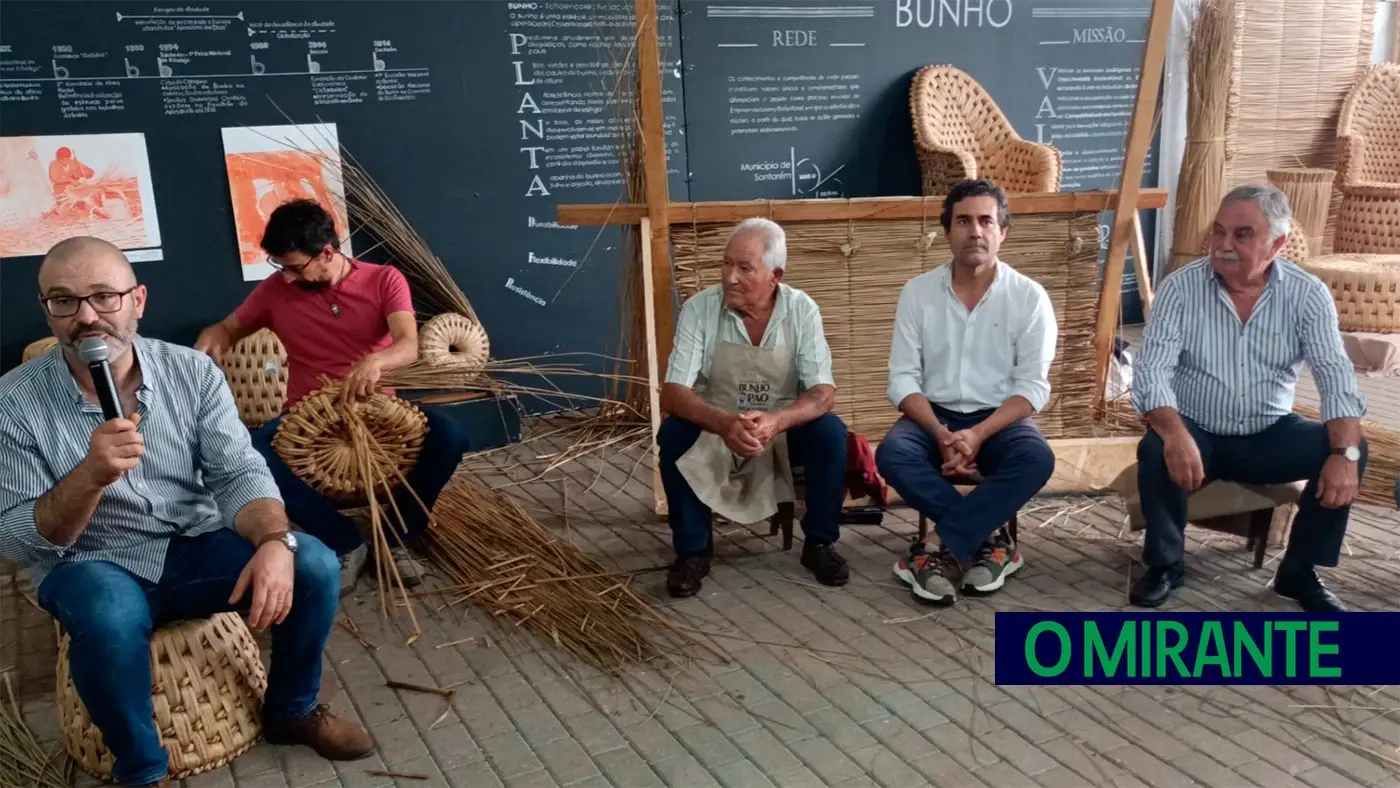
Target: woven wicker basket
(256, 369)
(207, 693)
(314, 440)
(38, 348)
(1366, 289)
(453, 340)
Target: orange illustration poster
(58, 186)
(269, 165)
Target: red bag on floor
(862, 478)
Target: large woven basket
(207, 692)
(38, 348)
(1366, 289)
(256, 369)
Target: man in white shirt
(749, 391)
(969, 367)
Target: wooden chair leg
(781, 522)
(923, 528)
(1259, 524)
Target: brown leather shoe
(331, 737)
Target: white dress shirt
(796, 321)
(968, 361)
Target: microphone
(93, 352)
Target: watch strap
(275, 536)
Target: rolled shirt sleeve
(235, 473)
(1155, 370)
(1035, 351)
(688, 350)
(906, 363)
(812, 351)
(1321, 339)
(24, 477)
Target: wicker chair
(256, 369)
(959, 132)
(207, 690)
(1368, 164)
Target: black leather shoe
(826, 564)
(684, 578)
(1156, 586)
(1305, 588)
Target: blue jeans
(819, 447)
(438, 459)
(109, 615)
(1014, 464)
(1290, 450)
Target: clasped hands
(959, 451)
(749, 432)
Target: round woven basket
(207, 693)
(315, 441)
(256, 369)
(453, 340)
(1365, 287)
(38, 348)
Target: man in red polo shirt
(345, 319)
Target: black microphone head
(92, 350)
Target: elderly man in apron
(749, 391)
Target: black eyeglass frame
(120, 295)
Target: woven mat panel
(856, 270)
(207, 688)
(1295, 61)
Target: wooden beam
(1140, 130)
(653, 368)
(653, 140)
(864, 208)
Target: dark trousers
(1014, 464)
(109, 614)
(1291, 450)
(818, 446)
(438, 459)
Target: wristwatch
(287, 538)
(1352, 453)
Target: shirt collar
(1275, 274)
(996, 276)
(144, 359)
(779, 304)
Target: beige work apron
(743, 377)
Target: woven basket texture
(315, 441)
(1368, 161)
(256, 369)
(855, 272)
(1309, 193)
(453, 340)
(1366, 289)
(207, 691)
(960, 132)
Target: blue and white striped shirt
(198, 471)
(1235, 379)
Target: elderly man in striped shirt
(1216, 380)
(162, 514)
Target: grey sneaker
(934, 578)
(351, 565)
(995, 561)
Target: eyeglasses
(294, 270)
(103, 303)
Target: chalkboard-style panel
(810, 98)
(476, 118)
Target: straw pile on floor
(1201, 183)
(1382, 462)
(23, 760)
(855, 272)
(504, 560)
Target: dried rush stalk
(23, 760)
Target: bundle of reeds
(1309, 192)
(504, 560)
(1382, 462)
(23, 760)
(1201, 184)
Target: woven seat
(1368, 164)
(207, 691)
(38, 348)
(256, 369)
(960, 132)
(1365, 287)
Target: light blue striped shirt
(1235, 379)
(198, 471)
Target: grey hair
(1272, 203)
(774, 240)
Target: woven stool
(207, 692)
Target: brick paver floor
(847, 687)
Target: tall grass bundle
(1382, 462)
(855, 271)
(504, 560)
(23, 760)
(1309, 192)
(1201, 182)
